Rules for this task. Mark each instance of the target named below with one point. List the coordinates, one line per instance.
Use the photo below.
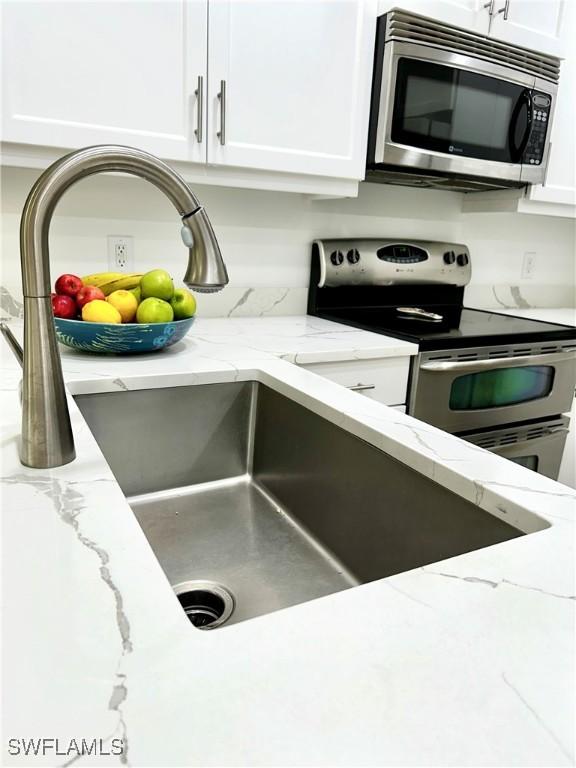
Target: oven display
(400, 253)
(501, 387)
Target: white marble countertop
(466, 662)
(301, 339)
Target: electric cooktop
(413, 290)
(463, 328)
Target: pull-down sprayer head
(206, 272)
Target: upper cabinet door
(560, 184)
(461, 13)
(81, 73)
(532, 24)
(289, 85)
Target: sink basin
(238, 486)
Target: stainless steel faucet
(47, 439)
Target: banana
(124, 283)
(113, 281)
(98, 278)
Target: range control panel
(540, 112)
(392, 262)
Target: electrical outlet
(528, 265)
(120, 253)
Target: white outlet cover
(115, 262)
(528, 264)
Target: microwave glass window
(530, 462)
(501, 387)
(458, 112)
(450, 111)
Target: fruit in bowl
(99, 311)
(64, 306)
(157, 284)
(110, 313)
(154, 310)
(183, 303)
(125, 302)
(68, 285)
(88, 293)
(137, 293)
(108, 282)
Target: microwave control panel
(541, 107)
(392, 262)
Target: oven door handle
(497, 362)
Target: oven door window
(461, 113)
(501, 387)
(530, 462)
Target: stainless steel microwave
(457, 110)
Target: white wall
(498, 244)
(265, 238)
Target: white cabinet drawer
(384, 380)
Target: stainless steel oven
(538, 445)
(455, 109)
(465, 389)
(500, 381)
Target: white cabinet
(297, 78)
(461, 13)
(384, 380)
(533, 24)
(75, 74)
(297, 85)
(560, 187)
(557, 197)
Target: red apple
(89, 293)
(68, 285)
(64, 306)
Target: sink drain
(207, 604)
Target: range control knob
(353, 256)
(462, 259)
(449, 257)
(336, 257)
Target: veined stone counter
(465, 662)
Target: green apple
(183, 303)
(153, 310)
(157, 284)
(137, 292)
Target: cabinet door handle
(505, 8)
(199, 92)
(222, 97)
(490, 7)
(361, 387)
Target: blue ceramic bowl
(120, 338)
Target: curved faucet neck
(49, 188)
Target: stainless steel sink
(238, 485)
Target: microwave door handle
(496, 362)
(525, 100)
